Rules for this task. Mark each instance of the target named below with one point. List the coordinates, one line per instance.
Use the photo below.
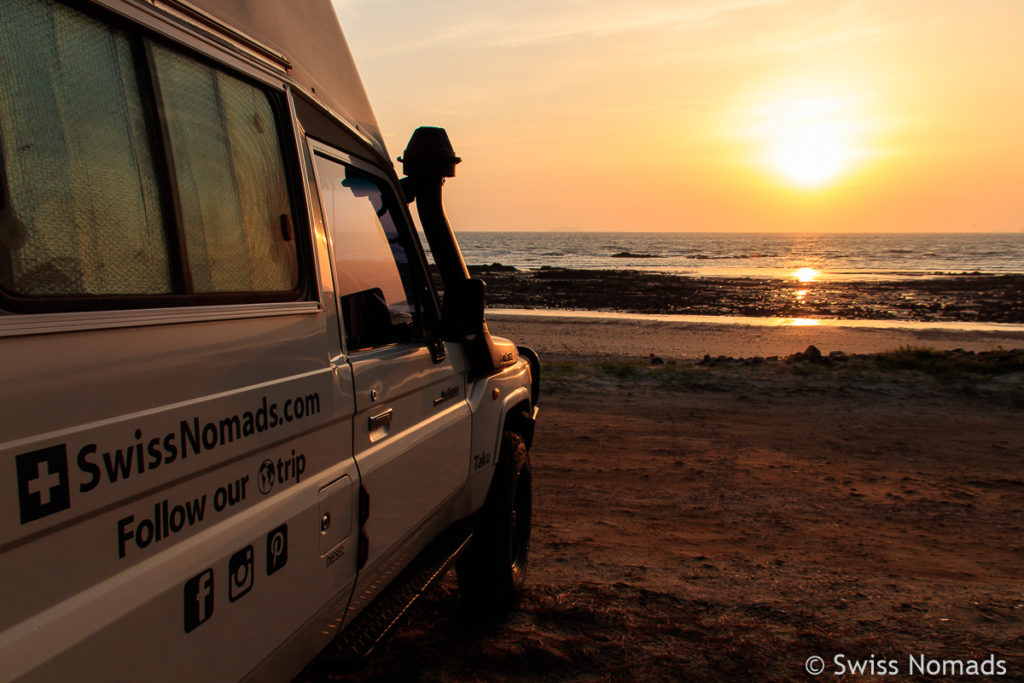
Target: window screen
(82, 210)
(227, 166)
(130, 168)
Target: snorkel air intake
(429, 159)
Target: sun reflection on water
(806, 274)
(798, 322)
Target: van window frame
(142, 38)
(431, 314)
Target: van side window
(381, 285)
(230, 180)
(82, 213)
(134, 170)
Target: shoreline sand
(569, 337)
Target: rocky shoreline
(955, 361)
(965, 297)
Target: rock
(493, 268)
(812, 353)
(656, 360)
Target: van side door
(412, 422)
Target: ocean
(846, 256)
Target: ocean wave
(729, 257)
(627, 254)
(752, 254)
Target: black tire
(492, 570)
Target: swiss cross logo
(43, 486)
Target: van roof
(306, 33)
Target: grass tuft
(963, 372)
(951, 364)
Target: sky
(724, 115)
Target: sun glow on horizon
(809, 142)
(810, 156)
(794, 116)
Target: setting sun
(809, 142)
(811, 157)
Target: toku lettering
(481, 460)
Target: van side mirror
(462, 314)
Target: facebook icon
(198, 599)
(43, 486)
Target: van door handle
(447, 395)
(379, 425)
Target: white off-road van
(239, 423)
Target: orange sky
(746, 115)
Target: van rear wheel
(492, 571)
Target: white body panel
(164, 484)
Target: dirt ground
(729, 523)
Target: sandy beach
(732, 521)
(583, 335)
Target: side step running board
(378, 621)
